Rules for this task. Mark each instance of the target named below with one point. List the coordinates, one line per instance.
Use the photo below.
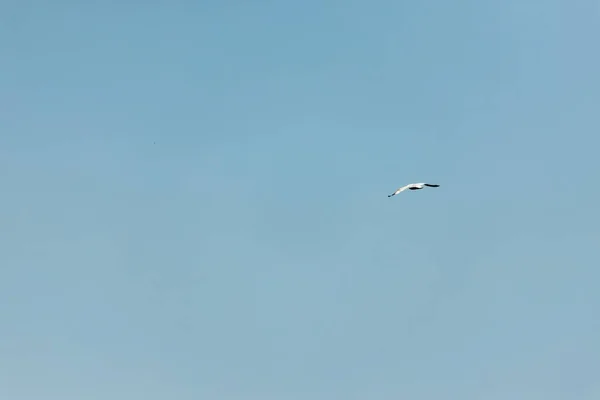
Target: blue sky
(194, 200)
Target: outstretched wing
(403, 188)
(431, 185)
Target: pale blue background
(194, 204)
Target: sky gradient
(194, 200)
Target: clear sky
(194, 200)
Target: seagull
(413, 186)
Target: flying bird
(413, 186)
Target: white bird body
(412, 186)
